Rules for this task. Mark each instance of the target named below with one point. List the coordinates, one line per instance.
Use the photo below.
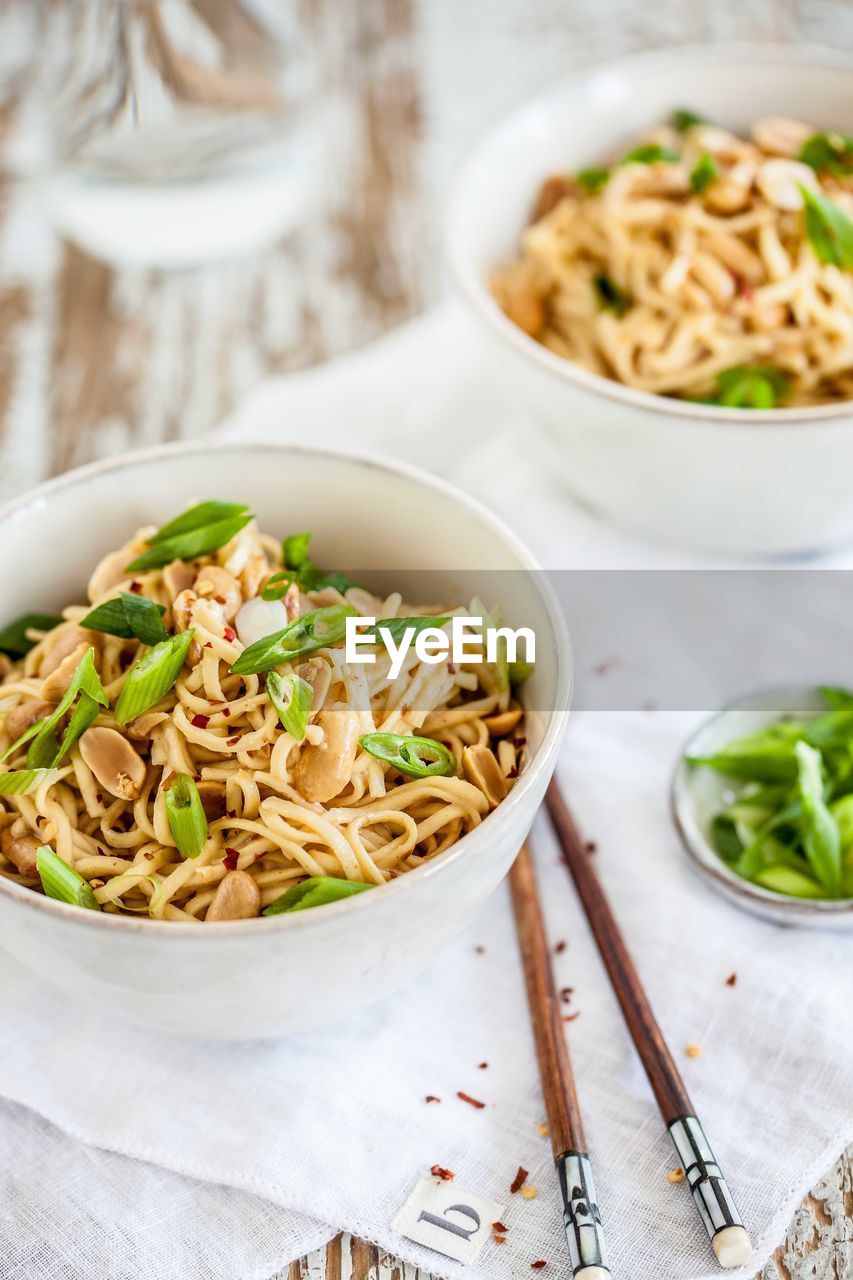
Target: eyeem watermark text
(433, 645)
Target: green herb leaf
(315, 892)
(291, 696)
(752, 386)
(20, 782)
(829, 230)
(610, 296)
(199, 517)
(683, 119)
(651, 153)
(152, 676)
(128, 616)
(319, 629)
(397, 627)
(45, 750)
(821, 837)
(592, 180)
(828, 153)
(190, 543)
(187, 819)
(416, 757)
(703, 173)
(62, 882)
(13, 638)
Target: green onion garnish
(610, 296)
(294, 550)
(128, 616)
(198, 532)
(62, 882)
(704, 172)
(651, 153)
(315, 892)
(821, 837)
(416, 757)
(45, 751)
(152, 676)
(751, 386)
(397, 627)
(520, 671)
(20, 782)
(291, 696)
(828, 153)
(301, 569)
(592, 180)
(683, 119)
(13, 638)
(829, 230)
(187, 819)
(316, 630)
(86, 711)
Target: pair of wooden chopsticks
(581, 1216)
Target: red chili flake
(472, 1102)
(512, 772)
(200, 722)
(230, 634)
(590, 846)
(499, 1239)
(208, 644)
(444, 1174)
(451, 668)
(136, 588)
(744, 288)
(232, 742)
(566, 994)
(149, 857)
(219, 599)
(481, 951)
(482, 1066)
(560, 947)
(431, 1098)
(229, 859)
(99, 798)
(226, 712)
(518, 1181)
(731, 980)
(230, 813)
(539, 1264)
(499, 1226)
(570, 1017)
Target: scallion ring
(62, 882)
(151, 678)
(185, 811)
(291, 696)
(316, 630)
(416, 757)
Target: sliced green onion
(152, 676)
(20, 782)
(13, 637)
(397, 627)
(193, 535)
(198, 517)
(86, 711)
(829, 230)
(610, 296)
(683, 119)
(291, 696)
(187, 819)
(45, 749)
(315, 892)
(789, 881)
(62, 882)
(128, 616)
(316, 630)
(704, 172)
(277, 584)
(416, 757)
(651, 153)
(592, 180)
(300, 568)
(828, 153)
(752, 386)
(492, 620)
(295, 551)
(520, 671)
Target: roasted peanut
(237, 898)
(114, 762)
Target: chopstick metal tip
(732, 1246)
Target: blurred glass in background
(165, 134)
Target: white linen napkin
(290, 1141)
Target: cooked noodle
(707, 280)
(222, 729)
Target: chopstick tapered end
(732, 1246)
(592, 1273)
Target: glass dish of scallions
(763, 801)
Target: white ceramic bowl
(729, 480)
(698, 795)
(270, 976)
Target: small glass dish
(699, 793)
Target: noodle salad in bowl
(194, 745)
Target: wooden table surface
(94, 360)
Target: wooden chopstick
(711, 1195)
(580, 1209)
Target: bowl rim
(475, 290)
(469, 845)
(707, 861)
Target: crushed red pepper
(570, 1017)
(229, 859)
(566, 994)
(518, 1181)
(200, 721)
(481, 1066)
(472, 1102)
(136, 588)
(444, 1174)
(499, 1226)
(731, 980)
(560, 947)
(229, 634)
(431, 1098)
(590, 846)
(539, 1264)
